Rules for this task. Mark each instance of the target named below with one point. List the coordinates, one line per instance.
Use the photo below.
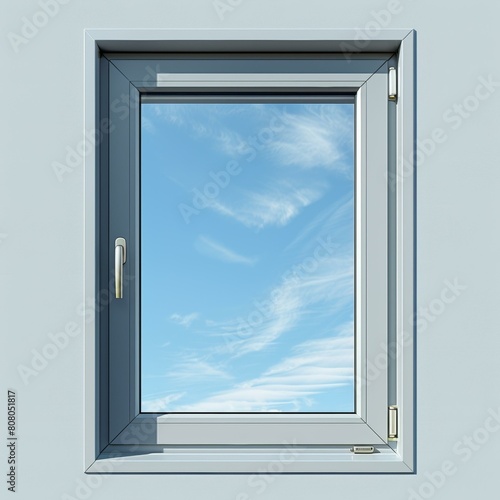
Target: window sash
(371, 249)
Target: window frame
(121, 439)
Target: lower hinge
(393, 423)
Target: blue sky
(247, 257)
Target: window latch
(120, 259)
(363, 450)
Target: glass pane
(247, 255)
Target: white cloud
(324, 353)
(318, 286)
(148, 125)
(173, 113)
(231, 143)
(316, 138)
(185, 320)
(204, 120)
(215, 250)
(322, 292)
(336, 221)
(315, 366)
(195, 368)
(283, 315)
(161, 404)
(277, 206)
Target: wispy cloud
(336, 221)
(330, 352)
(311, 136)
(177, 114)
(322, 292)
(204, 120)
(184, 320)
(193, 367)
(283, 316)
(147, 124)
(232, 143)
(313, 368)
(296, 165)
(161, 404)
(276, 206)
(210, 248)
(318, 137)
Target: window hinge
(362, 450)
(393, 423)
(393, 84)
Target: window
(247, 211)
(247, 255)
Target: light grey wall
(41, 241)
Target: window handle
(120, 259)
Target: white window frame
(118, 437)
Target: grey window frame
(122, 65)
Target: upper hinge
(393, 423)
(393, 84)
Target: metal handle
(120, 259)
